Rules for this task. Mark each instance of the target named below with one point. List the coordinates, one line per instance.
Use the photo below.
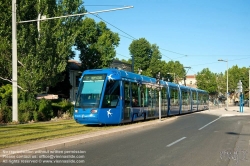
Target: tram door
(134, 100)
(137, 99)
(127, 100)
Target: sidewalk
(74, 140)
(232, 111)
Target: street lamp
(227, 79)
(14, 49)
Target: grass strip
(12, 135)
(26, 130)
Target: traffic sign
(239, 86)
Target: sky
(194, 32)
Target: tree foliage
(141, 51)
(43, 51)
(5, 41)
(206, 80)
(148, 58)
(234, 75)
(96, 44)
(175, 69)
(155, 62)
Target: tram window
(136, 96)
(199, 98)
(185, 97)
(148, 96)
(174, 96)
(111, 95)
(194, 97)
(164, 96)
(206, 98)
(127, 93)
(144, 95)
(152, 98)
(156, 98)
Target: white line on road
(176, 141)
(209, 123)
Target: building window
(191, 83)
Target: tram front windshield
(90, 90)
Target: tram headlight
(76, 111)
(93, 111)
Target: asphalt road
(191, 140)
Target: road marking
(209, 123)
(176, 141)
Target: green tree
(221, 81)
(42, 51)
(207, 80)
(174, 69)
(141, 51)
(155, 62)
(96, 44)
(5, 41)
(234, 75)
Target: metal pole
(249, 88)
(227, 81)
(14, 50)
(73, 15)
(133, 63)
(227, 85)
(160, 104)
(14, 64)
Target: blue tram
(112, 96)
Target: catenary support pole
(14, 64)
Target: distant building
(74, 76)
(121, 65)
(190, 81)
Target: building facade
(190, 81)
(74, 76)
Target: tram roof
(121, 74)
(130, 76)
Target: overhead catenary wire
(123, 55)
(219, 62)
(96, 15)
(133, 38)
(128, 36)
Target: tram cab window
(111, 94)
